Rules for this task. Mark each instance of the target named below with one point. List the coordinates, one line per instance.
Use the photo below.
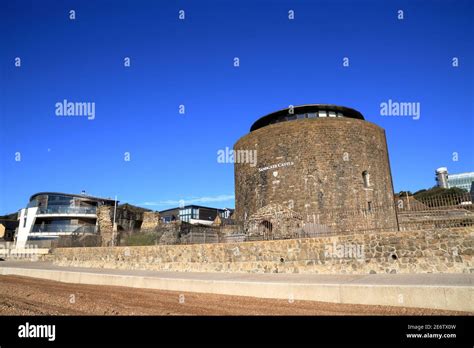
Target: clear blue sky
(190, 62)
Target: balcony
(67, 210)
(64, 228)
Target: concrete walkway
(439, 291)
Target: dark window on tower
(369, 206)
(366, 178)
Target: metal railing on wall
(441, 202)
(447, 211)
(67, 210)
(404, 214)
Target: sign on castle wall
(274, 166)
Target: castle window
(366, 178)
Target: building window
(185, 214)
(369, 206)
(332, 114)
(322, 113)
(366, 178)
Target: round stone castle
(315, 165)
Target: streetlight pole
(114, 226)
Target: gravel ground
(30, 296)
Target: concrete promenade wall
(422, 251)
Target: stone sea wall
(447, 250)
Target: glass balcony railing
(67, 210)
(56, 228)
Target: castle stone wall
(315, 168)
(151, 220)
(105, 224)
